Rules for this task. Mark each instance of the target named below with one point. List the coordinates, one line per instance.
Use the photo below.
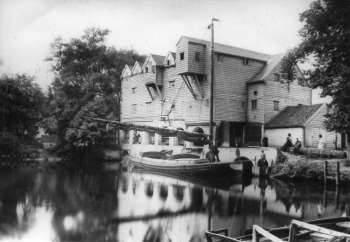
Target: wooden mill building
(173, 91)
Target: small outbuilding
(305, 122)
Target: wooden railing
(295, 224)
(220, 234)
(259, 232)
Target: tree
(21, 109)
(326, 41)
(87, 83)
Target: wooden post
(292, 232)
(255, 235)
(325, 172)
(337, 174)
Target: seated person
(288, 144)
(297, 146)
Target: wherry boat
(183, 165)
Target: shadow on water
(141, 206)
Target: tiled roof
(227, 49)
(293, 116)
(159, 59)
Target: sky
(27, 27)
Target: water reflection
(138, 206)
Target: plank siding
(286, 94)
(315, 126)
(256, 92)
(230, 89)
(147, 109)
(232, 93)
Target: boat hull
(182, 166)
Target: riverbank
(302, 168)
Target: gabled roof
(126, 71)
(136, 68)
(158, 59)
(230, 50)
(170, 56)
(293, 116)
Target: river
(56, 205)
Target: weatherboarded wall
(315, 126)
(231, 77)
(277, 137)
(136, 104)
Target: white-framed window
(276, 105)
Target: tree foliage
(21, 109)
(87, 83)
(326, 40)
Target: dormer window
(182, 55)
(245, 61)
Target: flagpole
(211, 99)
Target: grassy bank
(302, 168)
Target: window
(172, 83)
(276, 105)
(146, 69)
(182, 55)
(133, 90)
(134, 108)
(197, 56)
(245, 61)
(164, 140)
(220, 58)
(255, 93)
(276, 77)
(254, 104)
(168, 62)
(152, 138)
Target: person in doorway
(320, 142)
(263, 164)
(297, 146)
(288, 144)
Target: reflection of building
(173, 90)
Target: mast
(211, 99)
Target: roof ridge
(229, 46)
